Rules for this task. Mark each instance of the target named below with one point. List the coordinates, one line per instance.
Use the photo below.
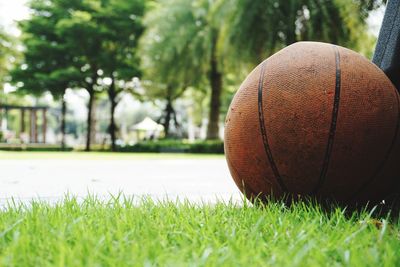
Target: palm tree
(187, 46)
(260, 27)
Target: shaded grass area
(129, 232)
(100, 155)
(149, 146)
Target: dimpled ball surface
(318, 120)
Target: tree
(103, 36)
(81, 44)
(168, 72)
(84, 41)
(47, 64)
(121, 22)
(191, 31)
(260, 27)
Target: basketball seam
(332, 130)
(263, 130)
(387, 155)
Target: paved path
(194, 179)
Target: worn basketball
(319, 120)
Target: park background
(158, 76)
(118, 75)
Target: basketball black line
(263, 130)
(387, 155)
(332, 131)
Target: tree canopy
(261, 27)
(76, 44)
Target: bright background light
(11, 11)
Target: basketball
(319, 120)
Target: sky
(10, 11)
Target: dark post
(33, 137)
(22, 121)
(387, 51)
(35, 132)
(6, 117)
(31, 126)
(44, 125)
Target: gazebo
(33, 120)
(147, 129)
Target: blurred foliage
(47, 64)
(80, 44)
(198, 50)
(171, 145)
(33, 147)
(8, 57)
(261, 27)
(182, 47)
(193, 43)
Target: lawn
(140, 232)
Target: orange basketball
(318, 120)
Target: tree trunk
(290, 36)
(168, 112)
(216, 90)
(89, 118)
(291, 23)
(112, 94)
(63, 120)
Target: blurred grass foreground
(119, 75)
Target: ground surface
(32, 175)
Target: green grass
(126, 232)
(100, 155)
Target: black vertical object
(387, 51)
